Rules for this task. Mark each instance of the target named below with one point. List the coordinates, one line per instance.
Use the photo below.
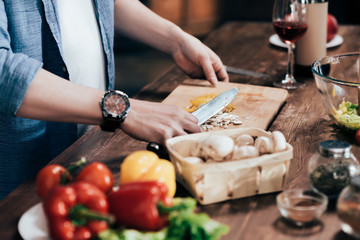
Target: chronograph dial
(115, 106)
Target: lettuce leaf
(184, 224)
(347, 115)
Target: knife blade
(202, 114)
(215, 105)
(240, 71)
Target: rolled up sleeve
(17, 70)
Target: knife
(202, 114)
(240, 71)
(215, 105)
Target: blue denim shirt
(30, 39)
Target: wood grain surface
(256, 106)
(302, 120)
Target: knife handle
(159, 149)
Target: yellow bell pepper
(146, 166)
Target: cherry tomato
(357, 137)
(48, 178)
(97, 174)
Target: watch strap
(110, 124)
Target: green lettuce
(184, 224)
(347, 115)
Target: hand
(157, 122)
(197, 60)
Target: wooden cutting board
(255, 105)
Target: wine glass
(289, 22)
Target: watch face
(115, 105)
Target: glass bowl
(301, 207)
(338, 81)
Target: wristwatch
(115, 106)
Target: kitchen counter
(302, 119)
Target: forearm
(52, 98)
(135, 20)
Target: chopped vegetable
(196, 103)
(76, 211)
(146, 166)
(347, 115)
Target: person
(45, 43)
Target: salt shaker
(331, 168)
(312, 46)
(348, 208)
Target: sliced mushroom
(279, 141)
(244, 152)
(244, 139)
(264, 145)
(216, 147)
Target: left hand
(197, 60)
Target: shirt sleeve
(17, 70)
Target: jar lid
(335, 149)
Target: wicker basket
(216, 182)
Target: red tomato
(82, 233)
(357, 137)
(332, 27)
(97, 227)
(97, 174)
(47, 178)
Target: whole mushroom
(215, 147)
(244, 139)
(244, 152)
(279, 141)
(264, 144)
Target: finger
(191, 127)
(219, 68)
(209, 71)
(222, 75)
(190, 117)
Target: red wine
(289, 31)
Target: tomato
(97, 174)
(48, 178)
(97, 227)
(332, 27)
(357, 137)
(82, 233)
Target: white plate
(275, 40)
(33, 225)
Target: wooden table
(302, 120)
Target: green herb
(331, 178)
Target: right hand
(157, 122)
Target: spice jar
(331, 168)
(348, 208)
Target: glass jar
(348, 208)
(331, 168)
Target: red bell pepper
(135, 205)
(76, 211)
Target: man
(40, 108)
